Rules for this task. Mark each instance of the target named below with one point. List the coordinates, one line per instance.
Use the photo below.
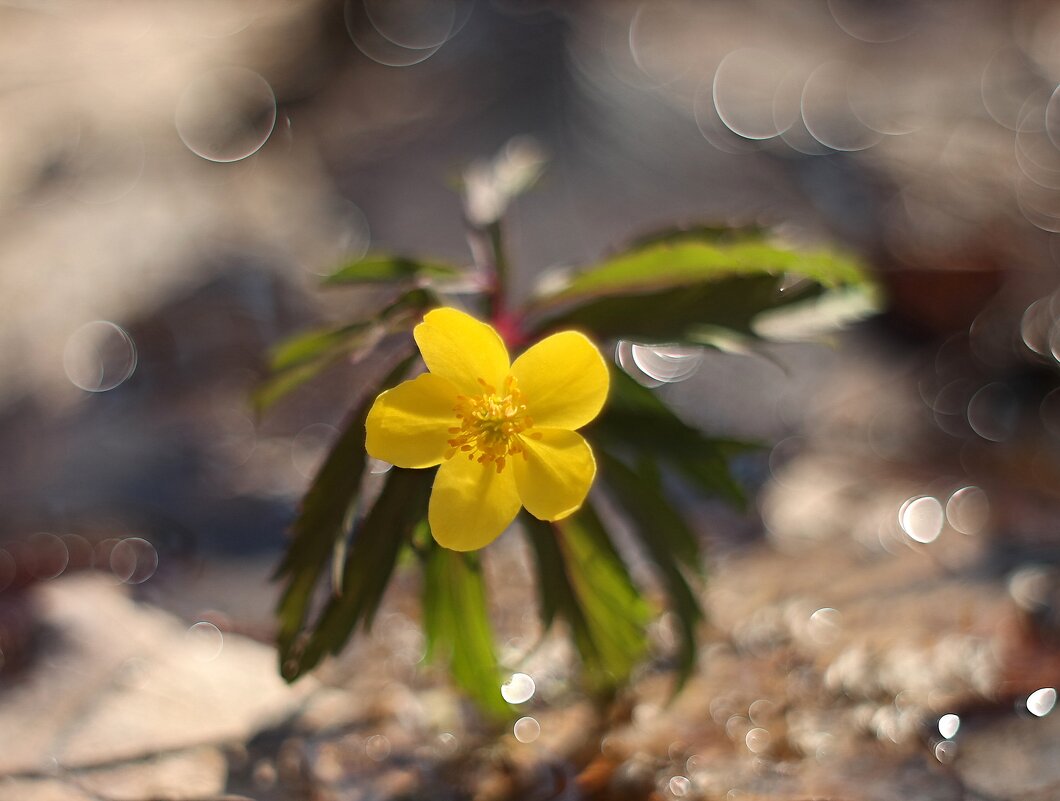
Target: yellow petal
(556, 474)
(409, 424)
(471, 504)
(563, 379)
(458, 347)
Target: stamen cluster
(490, 424)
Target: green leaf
(555, 598)
(582, 579)
(636, 420)
(665, 537)
(371, 558)
(642, 495)
(681, 263)
(457, 624)
(382, 267)
(311, 345)
(321, 520)
(304, 356)
(667, 290)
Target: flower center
(490, 424)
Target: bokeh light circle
(828, 113)
(133, 560)
(1041, 702)
(1052, 117)
(946, 751)
(383, 46)
(624, 359)
(413, 24)
(679, 786)
(745, 89)
(518, 689)
(993, 412)
(50, 555)
(99, 356)
(876, 22)
(968, 510)
(713, 128)
(1007, 81)
(667, 364)
(377, 747)
(1035, 325)
(226, 115)
(205, 641)
(922, 518)
(526, 730)
(948, 726)
(1037, 155)
(1039, 205)
(825, 625)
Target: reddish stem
(510, 327)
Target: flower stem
(487, 249)
(498, 297)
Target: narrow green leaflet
(636, 420)
(311, 345)
(582, 579)
(370, 560)
(555, 598)
(382, 267)
(277, 386)
(615, 609)
(664, 536)
(641, 493)
(320, 522)
(457, 624)
(667, 290)
(303, 357)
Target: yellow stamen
(490, 424)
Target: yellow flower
(502, 433)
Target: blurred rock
(182, 776)
(116, 680)
(41, 790)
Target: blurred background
(175, 179)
